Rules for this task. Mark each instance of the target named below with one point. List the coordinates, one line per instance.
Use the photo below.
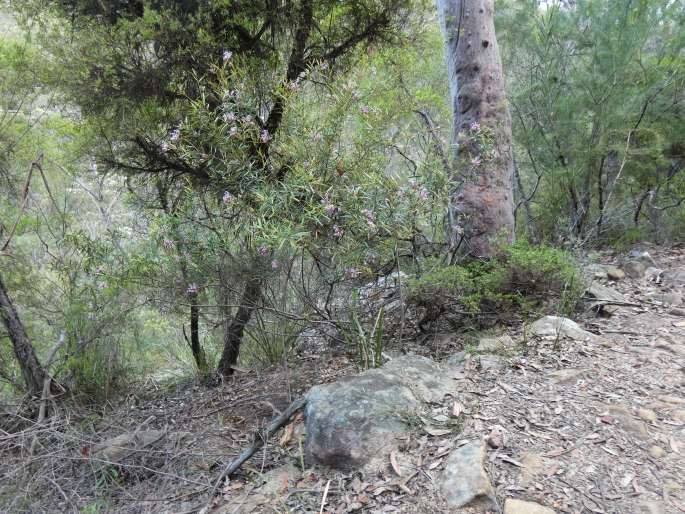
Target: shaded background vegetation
(187, 159)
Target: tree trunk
(31, 369)
(195, 347)
(233, 333)
(481, 202)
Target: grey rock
(464, 482)
(652, 507)
(634, 269)
(491, 362)
(642, 256)
(602, 298)
(355, 422)
(615, 274)
(499, 344)
(654, 274)
(512, 506)
(552, 327)
(599, 271)
(674, 277)
(567, 375)
(457, 359)
(667, 297)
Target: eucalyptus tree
(481, 200)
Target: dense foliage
(184, 177)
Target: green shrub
(520, 278)
(368, 345)
(268, 341)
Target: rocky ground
(548, 417)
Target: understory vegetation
(183, 196)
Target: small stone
(647, 415)
(656, 452)
(679, 415)
(496, 437)
(625, 420)
(464, 481)
(676, 311)
(615, 274)
(512, 506)
(652, 507)
(674, 277)
(666, 298)
(641, 256)
(499, 344)
(457, 359)
(491, 363)
(555, 327)
(532, 466)
(634, 269)
(673, 400)
(567, 376)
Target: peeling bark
(481, 199)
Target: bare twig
(259, 440)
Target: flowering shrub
(323, 184)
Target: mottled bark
(481, 200)
(31, 369)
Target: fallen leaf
(435, 464)
(287, 434)
(627, 479)
(457, 409)
(675, 446)
(552, 470)
(609, 420)
(435, 431)
(394, 464)
(233, 486)
(509, 460)
(555, 452)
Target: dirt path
(594, 427)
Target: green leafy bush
(521, 277)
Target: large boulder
(355, 422)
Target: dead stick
(260, 437)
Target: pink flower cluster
(352, 272)
(370, 218)
(328, 206)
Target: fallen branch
(260, 437)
